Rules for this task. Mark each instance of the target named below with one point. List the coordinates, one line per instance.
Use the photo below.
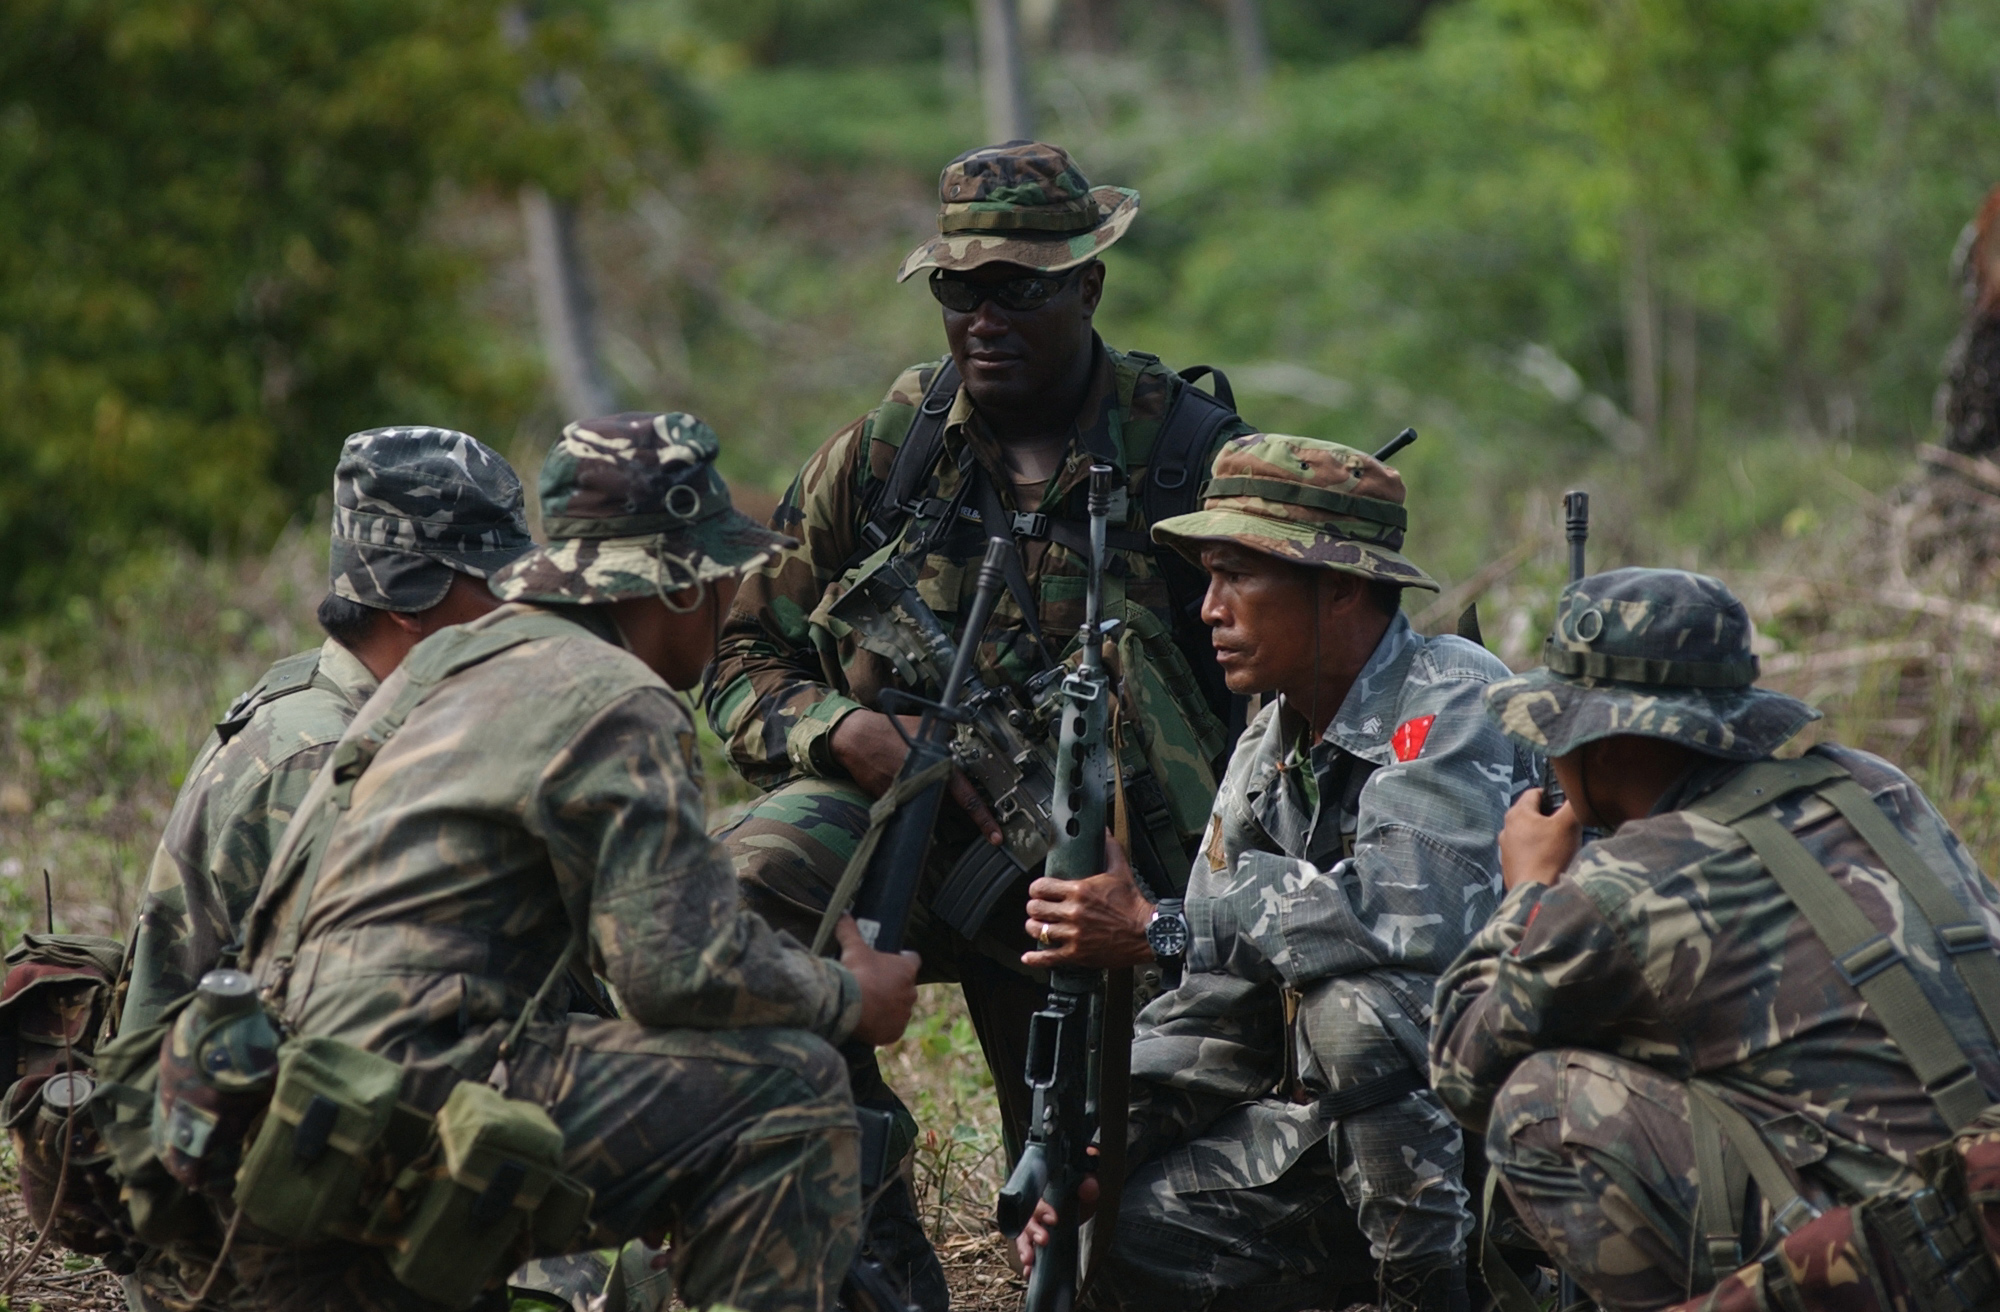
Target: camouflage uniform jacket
(1373, 866)
(239, 796)
(551, 790)
(782, 680)
(1667, 944)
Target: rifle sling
(999, 523)
(879, 815)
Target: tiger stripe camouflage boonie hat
(1660, 653)
(632, 507)
(1300, 499)
(413, 506)
(1021, 202)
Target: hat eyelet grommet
(1589, 626)
(683, 502)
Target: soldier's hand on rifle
(868, 747)
(1035, 1234)
(1098, 922)
(888, 985)
(1535, 848)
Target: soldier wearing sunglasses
(998, 437)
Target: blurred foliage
(214, 257)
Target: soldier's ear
(1090, 287)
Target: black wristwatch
(1167, 935)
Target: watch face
(1167, 935)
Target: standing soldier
(1767, 991)
(422, 516)
(1284, 1149)
(530, 781)
(996, 439)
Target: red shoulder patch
(1408, 742)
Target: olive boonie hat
(412, 506)
(632, 507)
(1025, 203)
(1310, 502)
(1656, 652)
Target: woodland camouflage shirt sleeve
(769, 694)
(623, 814)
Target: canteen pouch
(496, 1194)
(317, 1148)
(158, 1209)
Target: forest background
(1696, 256)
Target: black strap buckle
(1030, 524)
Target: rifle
(1576, 528)
(892, 870)
(1066, 1037)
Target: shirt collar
(347, 672)
(1366, 719)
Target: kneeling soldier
(530, 781)
(1284, 1146)
(1767, 991)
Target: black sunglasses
(1017, 294)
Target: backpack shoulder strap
(1866, 958)
(885, 506)
(434, 660)
(293, 674)
(1175, 471)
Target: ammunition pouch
(320, 1145)
(490, 1194)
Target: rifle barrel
(1576, 527)
(1397, 443)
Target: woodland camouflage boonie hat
(414, 505)
(1303, 500)
(632, 507)
(1025, 203)
(1656, 652)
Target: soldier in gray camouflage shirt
(421, 517)
(1284, 1149)
(1663, 971)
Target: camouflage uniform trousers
(790, 849)
(1597, 1156)
(1382, 1189)
(739, 1144)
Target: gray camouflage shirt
(1372, 858)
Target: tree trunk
(564, 306)
(1003, 72)
(1642, 338)
(1246, 34)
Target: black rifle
(1576, 528)
(882, 903)
(1066, 1037)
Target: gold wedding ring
(1043, 938)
